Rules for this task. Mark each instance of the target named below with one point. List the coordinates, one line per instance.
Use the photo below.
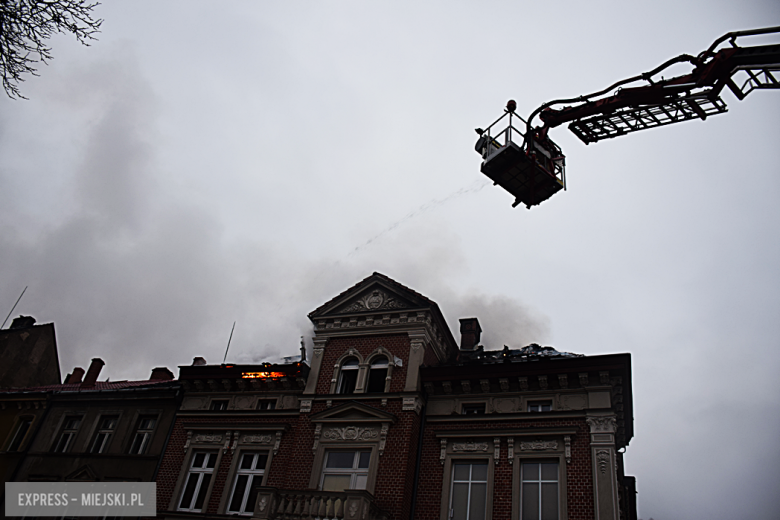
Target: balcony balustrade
(273, 503)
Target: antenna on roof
(231, 337)
(12, 308)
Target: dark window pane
(530, 501)
(204, 485)
(479, 472)
(211, 460)
(376, 380)
(460, 501)
(100, 440)
(461, 471)
(549, 501)
(255, 483)
(365, 458)
(198, 460)
(138, 444)
(238, 493)
(20, 433)
(189, 491)
(530, 471)
(247, 460)
(262, 459)
(348, 381)
(62, 444)
(549, 471)
(478, 499)
(341, 459)
(351, 362)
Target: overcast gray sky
(205, 163)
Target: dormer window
(377, 376)
(348, 376)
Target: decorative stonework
(470, 446)
(443, 452)
(573, 402)
(447, 386)
(278, 442)
(523, 383)
(539, 445)
(306, 405)
(412, 404)
(350, 433)
(542, 382)
(484, 385)
(510, 452)
(602, 459)
(383, 438)
(317, 433)
(567, 448)
(606, 424)
(583, 378)
(496, 449)
(375, 300)
(262, 504)
(504, 382)
(205, 437)
(563, 380)
(604, 377)
(256, 439)
(466, 385)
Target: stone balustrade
(273, 503)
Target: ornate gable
(83, 474)
(352, 412)
(376, 293)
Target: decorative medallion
(374, 300)
(539, 445)
(470, 446)
(350, 433)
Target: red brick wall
(578, 473)
(397, 344)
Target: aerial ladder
(522, 159)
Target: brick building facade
(392, 418)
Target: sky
(202, 164)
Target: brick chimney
(94, 371)
(198, 361)
(75, 376)
(469, 333)
(161, 374)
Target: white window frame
(539, 404)
(68, 433)
(252, 474)
(201, 471)
(144, 433)
(348, 366)
(354, 471)
(20, 432)
(470, 481)
(540, 481)
(105, 432)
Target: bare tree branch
(25, 25)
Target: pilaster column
(602, 452)
(316, 363)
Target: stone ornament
(306, 405)
(497, 449)
(375, 300)
(256, 439)
(351, 433)
(443, 453)
(262, 504)
(539, 445)
(470, 446)
(202, 437)
(602, 459)
(510, 452)
(602, 424)
(567, 448)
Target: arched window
(348, 376)
(377, 375)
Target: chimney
(93, 372)
(469, 333)
(75, 377)
(161, 374)
(22, 322)
(198, 361)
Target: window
(345, 470)
(249, 476)
(69, 429)
(21, 431)
(377, 376)
(198, 479)
(540, 406)
(468, 496)
(348, 377)
(219, 404)
(473, 409)
(266, 404)
(539, 491)
(105, 429)
(143, 434)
